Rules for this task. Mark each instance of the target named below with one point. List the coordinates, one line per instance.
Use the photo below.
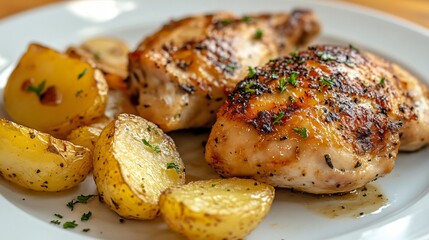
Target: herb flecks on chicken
(324, 120)
(181, 75)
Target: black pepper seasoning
(328, 161)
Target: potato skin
(86, 136)
(72, 92)
(130, 176)
(216, 209)
(40, 162)
(108, 54)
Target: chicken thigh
(180, 75)
(325, 120)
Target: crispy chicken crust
(181, 75)
(325, 120)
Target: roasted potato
(108, 54)
(216, 209)
(40, 162)
(87, 136)
(54, 93)
(134, 162)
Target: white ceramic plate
(25, 214)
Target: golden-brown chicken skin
(325, 120)
(180, 75)
(415, 132)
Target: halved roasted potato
(216, 209)
(40, 162)
(134, 162)
(87, 136)
(108, 54)
(54, 93)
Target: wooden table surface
(413, 10)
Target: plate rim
(382, 16)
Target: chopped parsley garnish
(248, 89)
(294, 54)
(172, 165)
(247, 19)
(38, 90)
(86, 216)
(259, 34)
(71, 224)
(350, 63)
(288, 61)
(82, 73)
(71, 204)
(225, 22)
(252, 72)
(230, 68)
(282, 84)
(353, 47)
(278, 117)
(292, 78)
(326, 81)
(79, 199)
(85, 230)
(274, 75)
(149, 128)
(154, 148)
(382, 80)
(56, 222)
(301, 131)
(291, 98)
(79, 93)
(84, 198)
(58, 215)
(325, 56)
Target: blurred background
(416, 11)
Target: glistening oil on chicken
(325, 120)
(181, 75)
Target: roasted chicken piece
(326, 120)
(180, 75)
(415, 133)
